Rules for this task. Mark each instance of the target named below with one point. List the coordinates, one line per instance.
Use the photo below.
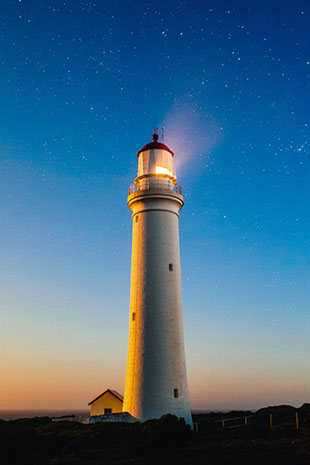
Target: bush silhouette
(168, 433)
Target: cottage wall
(108, 400)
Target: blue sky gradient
(83, 85)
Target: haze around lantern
(192, 133)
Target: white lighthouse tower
(156, 381)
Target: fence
(239, 421)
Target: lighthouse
(156, 381)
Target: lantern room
(155, 160)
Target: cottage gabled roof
(114, 393)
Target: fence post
(223, 423)
(245, 420)
(270, 420)
(296, 419)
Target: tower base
(121, 417)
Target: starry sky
(83, 85)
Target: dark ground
(39, 441)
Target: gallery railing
(151, 184)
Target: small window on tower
(133, 317)
(176, 393)
(107, 411)
(170, 266)
(137, 218)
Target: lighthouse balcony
(161, 184)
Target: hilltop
(41, 441)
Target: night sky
(83, 85)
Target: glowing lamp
(162, 170)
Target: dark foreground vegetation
(40, 441)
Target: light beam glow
(191, 133)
